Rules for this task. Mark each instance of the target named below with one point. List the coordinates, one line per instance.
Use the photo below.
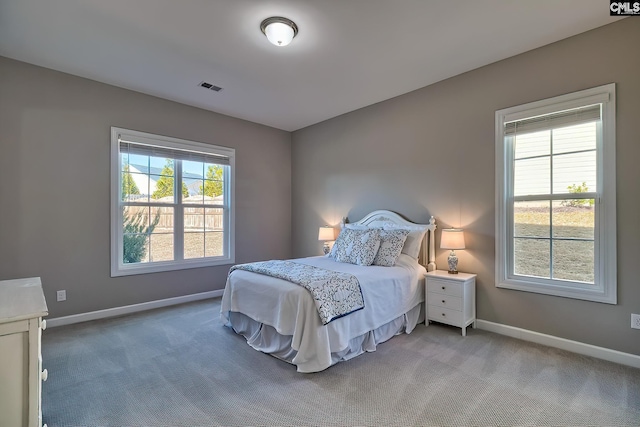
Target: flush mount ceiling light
(279, 31)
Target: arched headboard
(380, 218)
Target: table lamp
(452, 238)
(326, 234)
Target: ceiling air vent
(210, 86)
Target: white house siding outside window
(171, 203)
(555, 196)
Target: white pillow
(357, 246)
(414, 238)
(357, 227)
(391, 244)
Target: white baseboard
(127, 309)
(561, 343)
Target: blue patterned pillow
(357, 246)
(391, 244)
(414, 238)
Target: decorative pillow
(414, 238)
(391, 244)
(334, 248)
(332, 253)
(357, 246)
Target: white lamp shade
(279, 34)
(452, 238)
(326, 233)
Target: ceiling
(348, 53)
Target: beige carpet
(179, 366)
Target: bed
(281, 318)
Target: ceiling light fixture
(279, 31)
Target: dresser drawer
(444, 315)
(443, 300)
(444, 287)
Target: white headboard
(381, 217)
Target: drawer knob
(44, 375)
(43, 324)
(443, 315)
(443, 288)
(443, 301)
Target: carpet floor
(179, 366)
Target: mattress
(277, 313)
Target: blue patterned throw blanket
(336, 294)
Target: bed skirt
(266, 339)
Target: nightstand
(451, 298)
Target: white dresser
(22, 306)
(451, 298)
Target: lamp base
(325, 248)
(453, 262)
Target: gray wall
(431, 152)
(54, 186)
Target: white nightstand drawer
(444, 287)
(446, 301)
(444, 315)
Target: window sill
(134, 269)
(596, 294)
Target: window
(556, 196)
(171, 203)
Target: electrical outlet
(635, 321)
(61, 295)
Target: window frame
(604, 288)
(118, 267)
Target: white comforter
(389, 292)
